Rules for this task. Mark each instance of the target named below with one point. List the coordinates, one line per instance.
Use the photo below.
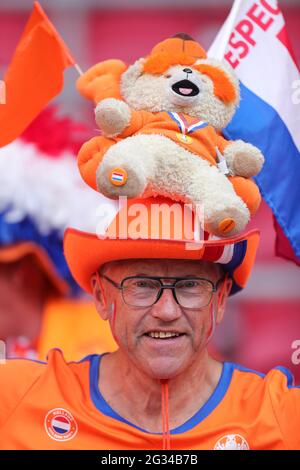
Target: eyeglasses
(144, 291)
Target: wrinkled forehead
(162, 267)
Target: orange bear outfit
(200, 139)
(103, 81)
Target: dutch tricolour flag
(253, 40)
(117, 176)
(61, 424)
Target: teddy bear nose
(188, 70)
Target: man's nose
(166, 308)
(187, 70)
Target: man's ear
(223, 294)
(99, 297)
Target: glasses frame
(215, 287)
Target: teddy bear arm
(139, 119)
(221, 142)
(112, 116)
(115, 118)
(243, 159)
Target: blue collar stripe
(214, 400)
(197, 126)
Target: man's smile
(158, 338)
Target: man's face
(157, 357)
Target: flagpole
(228, 26)
(79, 70)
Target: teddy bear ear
(226, 83)
(102, 80)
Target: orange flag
(34, 76)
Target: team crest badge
(232, 442)
(60, 425)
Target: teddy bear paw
(112, 116)
(126, 180)
(243, 159)
(227, 223)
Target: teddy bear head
(177, 76)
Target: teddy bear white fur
(139, 135)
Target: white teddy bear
(161, 120)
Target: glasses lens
(140, 292)
(193, 293)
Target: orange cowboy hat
(146, 237)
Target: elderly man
(162, 330)
(163, 295)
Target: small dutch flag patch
(118, 176)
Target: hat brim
(86, 252)
(17, 251)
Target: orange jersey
(58, 405)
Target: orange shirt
(58, 405)
(195, 136)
